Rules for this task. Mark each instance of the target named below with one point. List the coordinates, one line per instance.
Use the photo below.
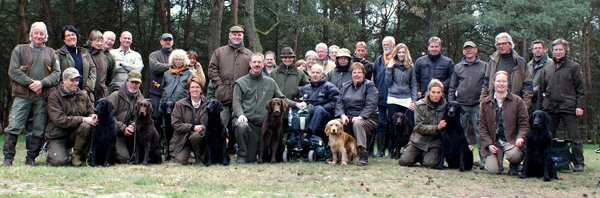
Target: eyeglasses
(502, 44)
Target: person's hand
(420, 94)
(442, 125)
(345, 119)
(527, 106)
(578, 111)
(89, 120)
(36, 86)
(392, 63)
(199, 128)
(301, 105)
(226, 141)
(412, 106)
(471, 148)
(520, 142)
(242, 119)
(493, 149)
(129, 130)
(84, 92)
(356, 119)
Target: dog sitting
(341, 142)
(538, 161)
(455, 145)
(104, 145)
(147, 148)
(401, 134)
(215, 135)
(272, 131)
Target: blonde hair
(407, 60)
(179, 53)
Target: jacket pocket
(440, 72)
(19, 90)
(223, 92)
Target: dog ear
(328, 128)
(268, 105)
(284, 105)
(395, 117)
(149, 109)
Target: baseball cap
(134, 76)
(71, 73)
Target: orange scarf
(385, 58)
(175, 71)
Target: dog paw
(344, 164)
(333, 162)
(547, 179)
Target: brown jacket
(66, 112)
(520, 78)
(516, 120)
(22, 70)
(183, 119)
(99, 59)
(226, 66)
(427, 117)
(89, 68)
(562, 88)
(123, 109)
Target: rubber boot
(380, 145)
(35, 145)
(391, 149)
(364, 157)
(513, 169)
(78, 150)
(10, 142)
(371, 149)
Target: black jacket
(440, 67)
(323, 94)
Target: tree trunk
(47, 15)
(431, 17)
(398, 19)
(214, 30)
(191, 6)
(298, 25)
(332, 6)
(251, 34)
(22, 22)
(325, 25)
(363, 20)
(234, 12)
(72, 15)
(163, 16)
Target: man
(250, 95)
(360, 54)
(465, 88)
(109, 41)
(34, 72)
(159, 64)
(562, 95)
(269, 63)
(387, 44)
(433, 65)
(288, 77)
(227, 64)
(323, 60)
(507, 59)
(71, 119)
(124, 102)
(323, 96)
(126, 60)
(536, 66)
(333, 51)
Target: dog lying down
(341, 142)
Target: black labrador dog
(538, 161)
(455, 146)
(215, 135)
(401, 133)
(104, 145)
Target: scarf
(175, 70)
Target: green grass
(381, 178)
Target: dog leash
(134, 140)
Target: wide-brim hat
(343, 52)
(287, 52)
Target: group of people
(497, 96)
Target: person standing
(465, 88)
(341, 73)
(94, 48)
(71, 55)
(126, 59)
(270, 64)
(508, 60)
(287, 76)
(333, 51)
(159, 64)
(35, 73)
(433, 65)
(562, 95)
(360, 55)
(323, 59)
(227, 64)
(109, 41)
(387, 44)
(536, 66)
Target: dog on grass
(216, 135)
(147, 149)
(341, 142)
(272, 131)
(455, 146)
(104, 145)
(401, 134)
(538, 161)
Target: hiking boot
(10, 142)
(391, 149)
(364, 158)
(578, 167)
(380, 145)
(513, 169)
(240, 159)
(35, 145)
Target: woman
(503, 125)
(301, 65)
(402, 93)
(425, 141)
(94, 47)
(174, 84)
(188, 118)
(195, 65)
(312, 58)
(71, 55)
(341, 73)
(357, 106)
